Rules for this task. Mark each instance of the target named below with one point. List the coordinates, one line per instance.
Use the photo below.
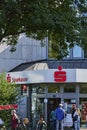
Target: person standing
(86, 121)
(76, 118)
(14, 120)
(73, 111)
(60, 114)
(53, 120)
(41, 124)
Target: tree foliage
(8, 95)
(62, 21)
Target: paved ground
(72, 129)
(83, 128)
(80, 129)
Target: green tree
(8, 95)
(62, 21)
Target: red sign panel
(60, 76)
(7, 107)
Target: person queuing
(60, 114)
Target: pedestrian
(41, 124)
(60, 114)
(73, 110)
(76, 119)
(53, 119)
(86, 121)
(14, 120)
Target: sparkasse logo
(19, 79)
(60, 76)
(8, 78)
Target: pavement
(72, 129)
(83, 128)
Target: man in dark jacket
(73, 110)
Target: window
(69, 88)
(77, 52)
(83, 88)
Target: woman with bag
(76, 119)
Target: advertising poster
(84, 111)
(68, 121)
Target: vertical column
(62, 93)
(45, 101)
(29, 104)
(77, 95)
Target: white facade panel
(81, 75)
(43, 76)
(27, 50)
(48, 76)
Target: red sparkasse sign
(60, 76)
(18, 79)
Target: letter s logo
(59, 76)
(8, 78)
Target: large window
(37, 104)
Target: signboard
(60, 76)
(84, 111)
(68, 120)
(48, 76)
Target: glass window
(83, 88)
(53, 88)
(69, 88)
(77, 51)
(41, 89)
(37, 104)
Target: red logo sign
(8, 78)
(19, 79)
(60, 76)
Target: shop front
(47, 88)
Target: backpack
(59, 114)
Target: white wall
(27, 50)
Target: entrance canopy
(48, 76)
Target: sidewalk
(72, 129)
(80, 129)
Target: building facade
(26, 51)
(51, 82)
(47, 85)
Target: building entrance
(44, 99)
(52, 105)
